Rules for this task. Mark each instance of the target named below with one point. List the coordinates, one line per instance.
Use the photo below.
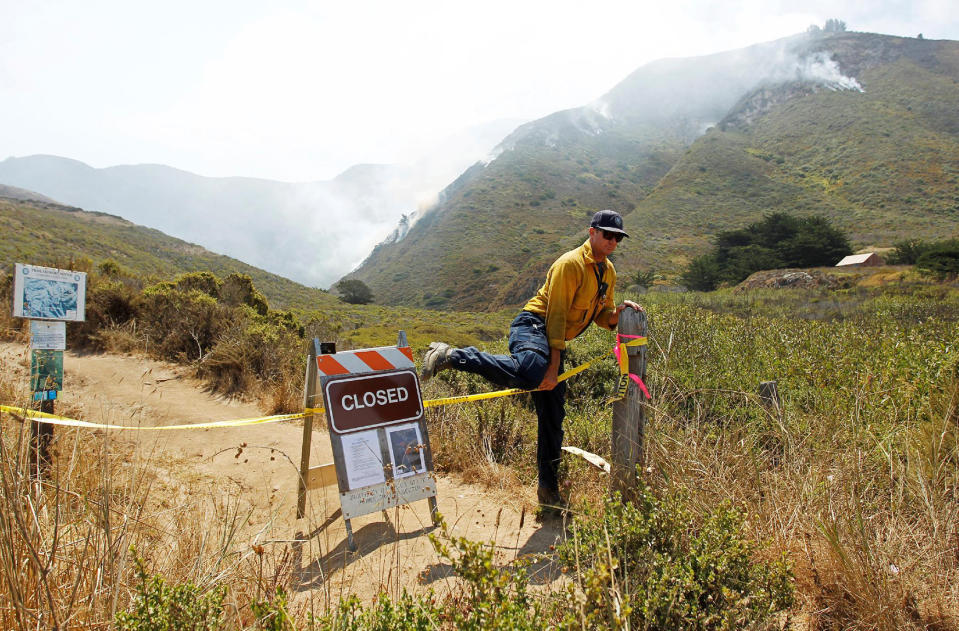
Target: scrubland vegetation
(837, 511)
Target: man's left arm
(614, 318)
(609, 317)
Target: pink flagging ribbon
(639, 382)
(635, 378)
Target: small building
(866, 260)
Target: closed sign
(368, 401)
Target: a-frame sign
(374, 411)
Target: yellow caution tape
(53, 419)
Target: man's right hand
(552, 371)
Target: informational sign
(373, 400)
(48, 335)
(379, 497)
(361, 455)
(47, 293)
(46, 370)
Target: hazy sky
(299, 90)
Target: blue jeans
(525, 368)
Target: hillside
(860, 127)
(44, 233)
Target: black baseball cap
(608, 220)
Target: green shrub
(408, 613)
(496, 597)
(201, 281)
(158, 606)
(272, 614)
(181, 325)
(237, 289)
(251, 348)
(907, 252)
(940, 259)
(109, 303)
(657, 564)
(109, 268)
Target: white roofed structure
(868, 258)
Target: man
(578, 290)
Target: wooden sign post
(48, 297)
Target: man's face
(603, 242)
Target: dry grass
(873, 529)
(69, 539)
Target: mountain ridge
(785, 125)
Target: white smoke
(601, 107)
(820, 68)
(817, 68)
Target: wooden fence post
(769, 395)
(629, 414)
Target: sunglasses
(613, 235)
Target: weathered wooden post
(629, 414)
(309, 402)
(769, 395)
(41, 435)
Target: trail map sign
(46, 293)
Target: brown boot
(550, 499)
(437, 358)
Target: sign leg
(350, 541)
(309, 396)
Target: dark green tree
(779, 240)
(702, 274)
(815, 243)
(941, 259)
(354, 291)
(907, 252)
(742, 261)
(834, 25)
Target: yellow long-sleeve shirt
(570, 296)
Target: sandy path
(256, 465)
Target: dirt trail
(393, 549)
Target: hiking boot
(437, 358)
(550, 499)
